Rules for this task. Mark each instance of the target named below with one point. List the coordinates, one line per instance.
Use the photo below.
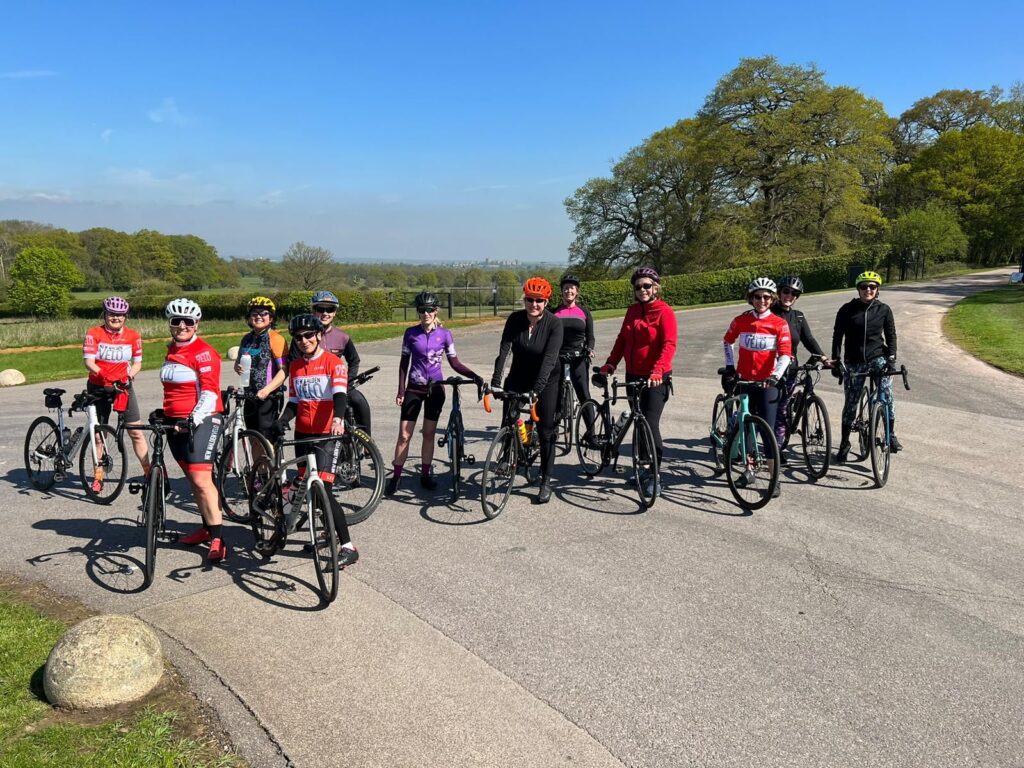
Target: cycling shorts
(414, 400)
(132, 414)
(204, 445)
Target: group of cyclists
(319, 359)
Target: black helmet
(569, 280)
(792, 282)
(426, 299)
(304, 322)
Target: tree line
(780, 165)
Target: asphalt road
(841, 625)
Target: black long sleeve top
(868, 329)
(534, 355)
(799, 330)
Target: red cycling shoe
(198, 536)
(218, 551)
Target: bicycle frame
(291, 520)
(610, 451)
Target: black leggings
(547, 409)
(326, 460)
(652, 403)
(360, 409)
(579, 375)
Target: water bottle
(75, 439)
(620, 423)
(67, 436)
(524, 436)
(245, 363)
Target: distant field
(988, 325)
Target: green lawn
(34, 735)
(988, 325)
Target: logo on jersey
(311, 387)
(203, 357)
(114, 353)
(758, 342)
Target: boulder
(11, 378)
(103, 661)
(232, 353)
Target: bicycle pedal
(442, 442)
(470, 459)
(134, 488)
(168, 537)
(59, 477)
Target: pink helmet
(115, 305)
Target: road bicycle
(359, 473)
(279, 507)
(568, 405)
(744, 447)
(153, 488)
(807, 416)
(871, 425)
(50, 446)
(599, 447)
(515, 446)
(237, 450)
(454, 436)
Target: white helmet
(183, 308)
(762, 284)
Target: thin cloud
(487, 188)
(168, 112)
(105, 135)
(47, 197)
(26, 74)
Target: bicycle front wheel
(862, 426)
(793, 422)
(566, 420)
(359, 482)
(817, 436)
(753, 466)
(456, 446)
(645, 463)
(499, 472)
(42, 449)
(590, 443)
(234, 472)
(880, 453)
(325, 542)
(719, 433)
(265, 504)
(154, 513)
(102, 471)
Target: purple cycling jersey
(426, 350)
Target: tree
(306, 266)
(196, 263)
(155, 255)
(933, 231)
(113, 256)
(41, 279)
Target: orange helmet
(537, 288)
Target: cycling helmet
(869, 277)
(762, 284)
(648, 272)
(261, 302)
(569, 280)
(792, 282)
(115, 305)
(537, 288)
(183, 308)
(324, 297)
(426, 299)
(304, 322)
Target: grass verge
(166, 730)
(988, 326)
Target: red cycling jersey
(114, 353)
(765, 345)
(647, 339)
(191, 379)
(312, 385)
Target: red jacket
(647, 339)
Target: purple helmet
(648, 272)
(115, 305)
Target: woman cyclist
(112, 353)
(317, 398)
(766, 349)
(790, 288)
(647, 342)
(267, 351)
(191, 379)
(534, 336)
(577, 337)
(339, 343)
(865, 333)
(423, 348)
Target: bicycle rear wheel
(102, 472)
(793, 424)
(719, 433)
(154, 515)
(42, 449)
(817, 436)
(499, 472)
(645, 463)
(880, 450)
(325, 542)
(234, 473)
(566, 419)
(265, 503)
(862, 426)
(590, 444)
(359, 482)
(753, 466)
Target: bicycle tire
(880, 449)
(499, 473)
(719, 433)
(566, 419)
(590, 451)
(862, 426)
(752, 477)
(154, 503)
(234, 477)
(266, 495)
(324, 541)
(456, 446)
(645, 464)
(817, 438)
(42, 448)
(113, 462)
(359, 477)
(793, 420)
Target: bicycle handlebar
(363, 377)
(902, 372)
(517, 397)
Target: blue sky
(410, 131)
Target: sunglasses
(531, 300)
(788, 292)
(264, 313)
(322, 309)
(304, 336)
(182, 322)
(643, 287)
(426, 310)
(867, 287)
(762, 297)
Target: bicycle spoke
(42, 453)
(752, 469)
(359, 476)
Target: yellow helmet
(869, 277)
(261, 302)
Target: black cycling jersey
(577, 328)
(534, 355)
(869, 330)
(799, 331)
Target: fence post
(450, 305)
